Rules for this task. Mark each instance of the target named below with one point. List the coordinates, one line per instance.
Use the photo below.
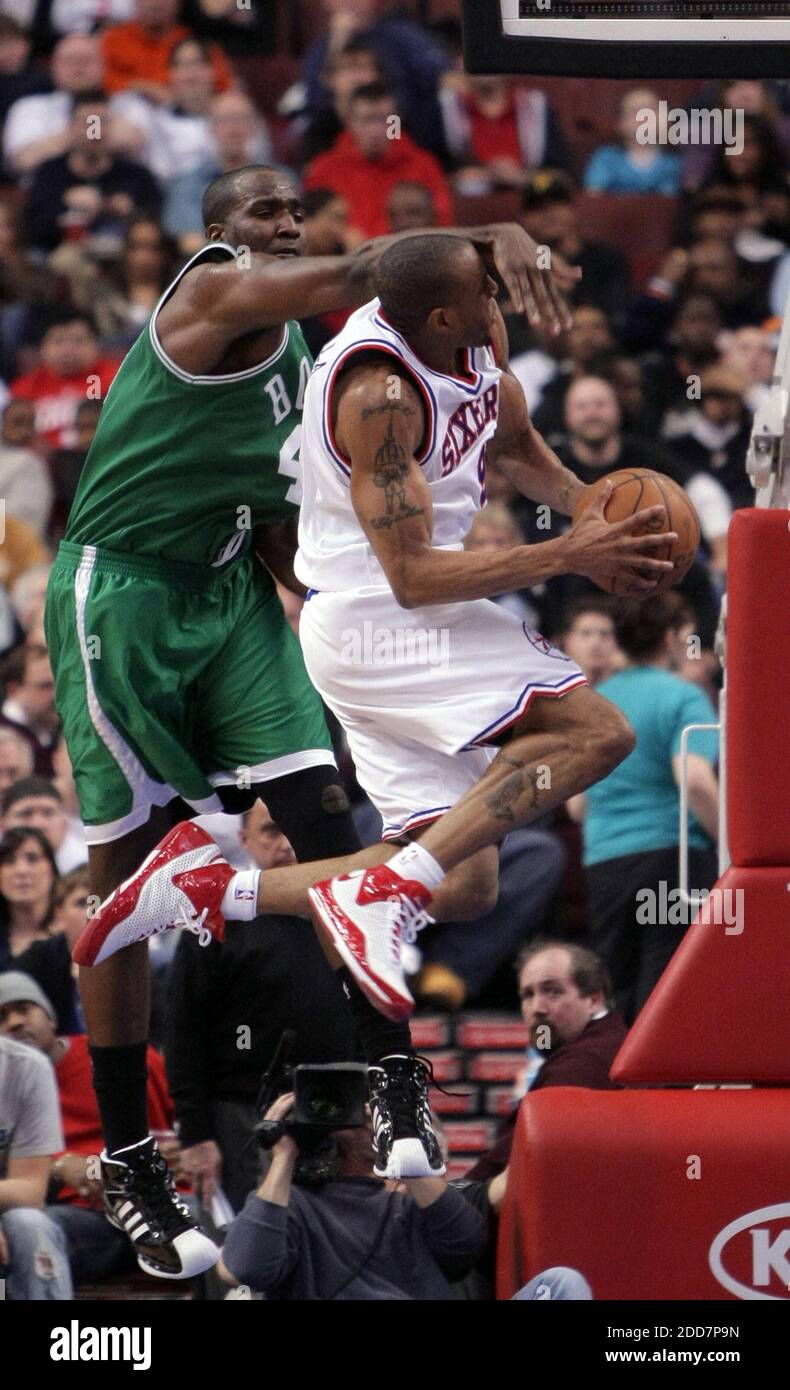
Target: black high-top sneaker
(140, 1198)
(403, 1137)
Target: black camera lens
(325, 1106)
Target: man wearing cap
(32, 1247)
(74, 1221)
(712, 437)
(550, 216)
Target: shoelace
(195, 925)
(154, 1183)
(406, 917)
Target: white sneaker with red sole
(180, 884)
(367, 916)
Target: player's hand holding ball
(634, 532)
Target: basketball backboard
(628, 38)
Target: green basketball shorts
(174, 682)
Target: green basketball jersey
(183, 467)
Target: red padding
(607, 1183)
(720, 1011)
(758, 682)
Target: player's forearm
(449, 576)
(538, 474)
(276, 1186)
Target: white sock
(415, 862)
(240, 903)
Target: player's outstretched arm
(381, 436)
(259, 291)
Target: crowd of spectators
(115, 114)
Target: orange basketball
(634, 490)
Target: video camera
(327, 1098)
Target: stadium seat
(642, 225)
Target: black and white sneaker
(140, 1198)
(403, 1137)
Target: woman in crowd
(28, 875)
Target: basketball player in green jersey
(180, 686)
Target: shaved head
(226, 192)
(419, 274)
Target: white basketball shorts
(421, 692)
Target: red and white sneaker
(367, 916)
(180, 884)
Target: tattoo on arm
(390, 470)
(515, 786)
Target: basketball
(634, 490)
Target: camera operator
(353, 1236)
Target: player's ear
(440, 321)
(215, 231)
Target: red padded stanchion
(721, 1010)
(651, 1194)
(758, 687)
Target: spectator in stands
(712, 439)
(575, 1032)
(718, 214)
(122, 296)
(66, 464)
(411, 207)
(683, 341)
(96, 1249)
(28, 874)
(48, 961)
(35, 801)
(588, 637)
(29, 704)
(640, 414)
(631, 817)
(238, 29)
(38, 127)
(178, 133)
(18, 425)
(239, 136)
(590, 335)
(28, 597)
(137, 54)
(72, 368)
(633, 166)
(497, 130)
(300, 1243)
(27, 292)
(750, 352)
(24, 482)
(407, 51)
(16, 758)
(20, 74)
(20, 550)
(31, 1246)
(714, 268)
(89, 191)
(356, 64)
(760, 167)
(595, 441)
(753, 98)
(229, 1005)
(370, 158)
(551, 218)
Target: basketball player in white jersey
(398, 415)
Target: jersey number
(289, 465)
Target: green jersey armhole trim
(208, 380)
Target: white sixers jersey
(461, 416)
